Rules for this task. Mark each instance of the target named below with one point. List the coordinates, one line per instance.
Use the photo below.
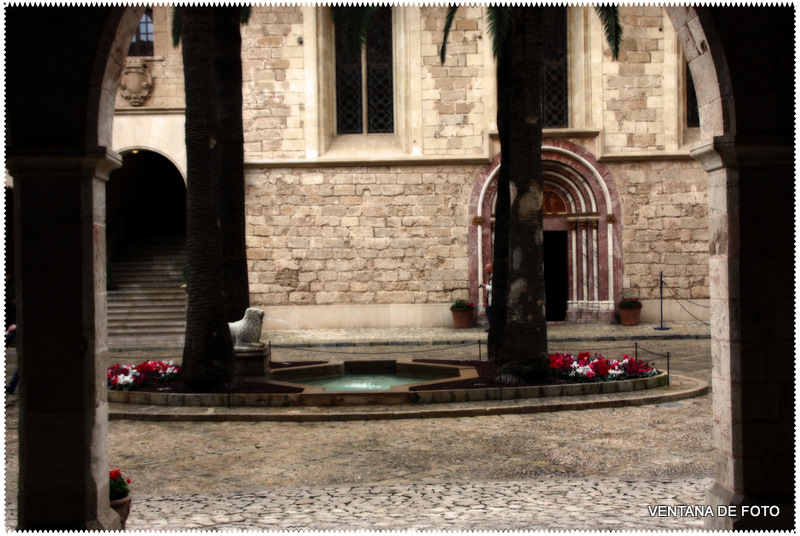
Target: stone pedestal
(252, 362)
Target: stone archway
(748, 153)
(59, 116)
(587, 207)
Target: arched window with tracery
(142, 42)
(555, 103)
(364, 81)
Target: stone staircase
(147, 306)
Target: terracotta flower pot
(463, 318)
(629, 316)
(123, 508)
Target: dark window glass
(555, 96)
(692, 112)
(348, 89)
(142, 43)
(377, 88)
(380, 84)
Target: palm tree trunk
(228, 69)
(525, 335)
(503, 205)
(208, 362)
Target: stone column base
(748, 512)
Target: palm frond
(609, 16)
(246, 11)
(451, 15)
(176, 25)
(498, 19)
(354, 23)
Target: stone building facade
(388, 228)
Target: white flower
(125, 379)
(581, 371)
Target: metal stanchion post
(661, 292)
(667, 369)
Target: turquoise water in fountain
(362, 382)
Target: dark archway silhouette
(145, 198)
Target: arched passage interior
(145, 199)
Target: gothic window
(142, 43)
(555, 100)
(364, 81)
(692, 113)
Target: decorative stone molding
(587, 200)
(136, 82)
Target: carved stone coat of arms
(136, 83)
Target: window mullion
(364, 93)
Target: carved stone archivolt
(136, 83)
(579, 199)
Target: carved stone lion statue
(246, 333)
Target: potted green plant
(120, 495)
(630, 310)
(463, 313)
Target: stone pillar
(751, 270)
(59, 227)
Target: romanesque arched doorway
(583, 241)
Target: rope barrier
(653, 353)
(675, 296)
(689, 312)
(609, 348)
(678, 301)
(636, 349)
(442, 348)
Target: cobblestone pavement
(581, 470)
(553, 504)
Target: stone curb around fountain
(314, 396)
(681, 387)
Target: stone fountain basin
(417, 374)
(315, 396)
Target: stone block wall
(364, 233)
(166, 67)
(453, 96)
(383, 235)
(665, 228)
(361, 235)
(273, 72)
(633, 86)
(455, 99)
